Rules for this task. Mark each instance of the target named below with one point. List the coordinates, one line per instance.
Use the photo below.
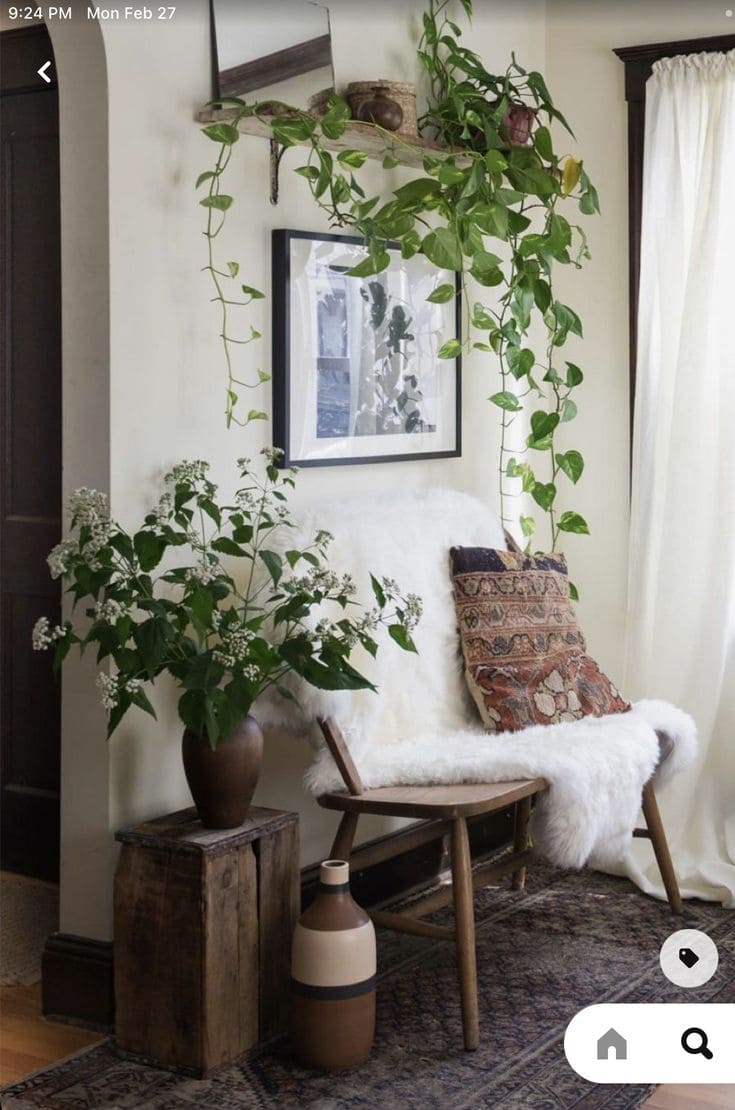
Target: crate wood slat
(191, 950)
(406, 149)
(279, 906)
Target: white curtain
(681, 613)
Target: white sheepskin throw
(422, 726)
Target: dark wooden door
(30, 434)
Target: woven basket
(318, 102)
(401, 91)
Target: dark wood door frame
(638, 62)
(30, 431)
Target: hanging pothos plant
(482, 192)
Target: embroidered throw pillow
(525, 656)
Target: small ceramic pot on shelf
(333, 964)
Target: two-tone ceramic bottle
(333, 964)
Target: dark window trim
(638, 62)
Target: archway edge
(81, 68)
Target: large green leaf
(149, 548)
(352, 158)
(415, 192)
(201, 604)
(520, 361)
(151, 638)
(226, 546)
(288, 132)
(442, 294)
(451, 349)
(544, 494)
(221, 133)
(274, 563)
(220, 201)
(335, 120)
(506, 400)
(442, 248)
(542, 142)
(573, 522)
(373, 264)
(572, 464)
(398, 633)
(574, 375)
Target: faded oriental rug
(570, 940)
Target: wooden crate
(203, 924)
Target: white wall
(166, 376)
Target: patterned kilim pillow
(525, 656)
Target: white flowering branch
(223, 644)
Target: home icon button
(612, 1040)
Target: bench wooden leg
(661, 848)
(520, 839)
(465, 922)
(342, 844)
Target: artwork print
(357, 376)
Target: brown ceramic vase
(333, 963)
(222, 781)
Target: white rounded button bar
(657, 1042)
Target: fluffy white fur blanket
(422, 726)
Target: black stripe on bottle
(334, 888)
(333, 994)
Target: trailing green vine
(480, 192)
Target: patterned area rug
(29, 911)
(571, 939)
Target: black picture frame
(297, 374)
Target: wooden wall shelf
(406, 149)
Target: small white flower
(413, 611)
(58, 558)
(243, 463)
(133, 685)
(390, 585)
(43, 635)
(273, 454)
(164, 508)
(234, 647)
(188, 471)
(202, 573)
(88, 506)
(193, 537)
(107, 686)
(245, 499)
(109, 610)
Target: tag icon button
(688, 958)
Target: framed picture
(356, 377)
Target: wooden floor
(28, 1041)
(692, 1098)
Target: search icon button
(700, 1046)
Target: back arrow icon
(42, 72)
